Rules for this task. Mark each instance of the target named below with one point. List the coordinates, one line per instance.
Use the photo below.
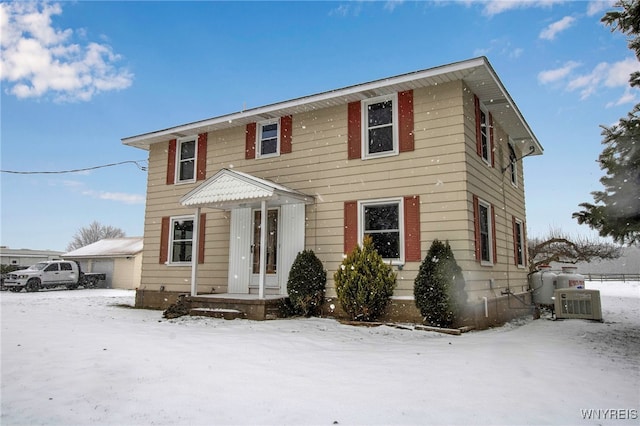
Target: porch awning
(230, 188)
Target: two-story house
(432, 154)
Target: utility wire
(137, 163)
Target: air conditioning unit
(578, 303)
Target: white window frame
(361, 221)
(172, 220)
(520, 242)
(259, 138)
(394, 126)
(513, 165)
(484, 204)
(179, 159)
(486, 134)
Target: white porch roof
(230, 188)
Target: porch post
(263, 248)
(194, 253)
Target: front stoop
(229, 307)
(228, 314)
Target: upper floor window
(484, 133)
(380, 131)
(268, 142)
(181, 239)
(186, 160)
(513, 166)
(485, 139)
(381, 220)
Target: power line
(137, 163)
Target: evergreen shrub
(364, 283)
(439, 286)
(306, 284)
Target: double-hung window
(382, 221)
(518, 238)
(485, 135)
(484, 217)
(186, 160)
(380, 129)
(268, 139)
(513, 166)
(180, 239)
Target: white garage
(119, 258)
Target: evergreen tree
(306, 284)
(439, 286)
(616, 211)
(364, 283)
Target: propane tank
(543, 284)
(569, 278)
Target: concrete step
(228, 314)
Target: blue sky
(79, 76)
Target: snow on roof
(109, 247)
(230, 187)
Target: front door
(271, 254)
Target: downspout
(194, 253)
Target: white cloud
(603, 75)
(390, 5)
(550, 76)
(121, 197)
(628, 97)
(495, 7)
(39, 59)
(599, 6)
(550, 32)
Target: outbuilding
(119, 258)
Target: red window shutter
(478, 126)
(476, 227)
(286, 128)
(171, 162)
(201, 235)
(493, 235)
(250, 142)
(412, 229)
(354, 131)
(350, 225)
(201, 165)
(405, 120)
(164, 240)
(491, 146)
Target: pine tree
(616, 211)
(439, 286)
(306, 284)
(364, 283)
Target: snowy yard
(82, 358)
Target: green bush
(306, 284)
(439, 286)
(364, 283)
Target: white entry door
(272, 248)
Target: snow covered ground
(83, 358)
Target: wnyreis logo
(609, 414)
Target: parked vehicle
(51, 274)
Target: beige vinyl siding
(443, 170)
(126, 272)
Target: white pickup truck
(54, 273)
